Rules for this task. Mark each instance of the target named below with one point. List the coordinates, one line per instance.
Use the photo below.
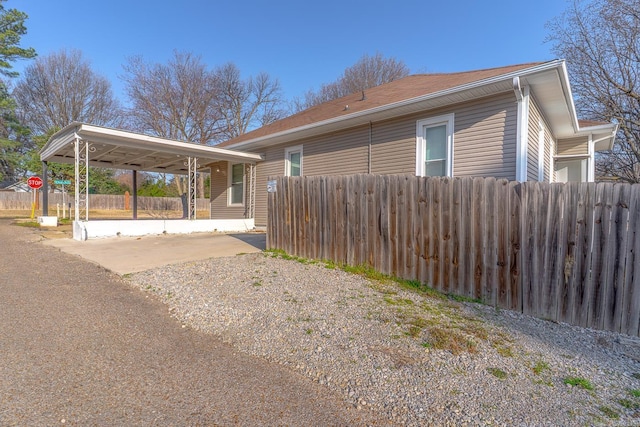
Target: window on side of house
(571, 170)
(434, 146)
(236, 184)
(293, 161)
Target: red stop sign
(34, 182)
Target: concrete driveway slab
(124, 255)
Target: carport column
(45, 189)
(192, 179)
(82, 149)
(135, 194)
(252, 191)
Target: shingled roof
(409, 87)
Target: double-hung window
(293, 161)
(236, 184)
(434, 146)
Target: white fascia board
(130, 139)
(59, 139)
(603, 132)
(468, 86)
(566, 88)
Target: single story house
(516, 122)
(18, 187)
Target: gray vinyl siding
(273, 165)
(339, 153)
(484, 145)
(393, 146)
(484, 141)
(219, 195)
(485, 138)
(573, 146)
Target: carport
(86, 145)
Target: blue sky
(302, 44)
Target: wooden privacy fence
(563, 252)
(22, 201)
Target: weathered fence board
(564, 252)
(10, 200)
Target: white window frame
(287, 161)
(421, 149)
(230, 183)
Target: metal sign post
(34, 182)
(63, 182)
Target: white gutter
(468, 86)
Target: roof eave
(98, 134)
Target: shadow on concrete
(257, 240)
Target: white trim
(552, 154)
(123, 138)
(229, 184)
(449, 121)
(541, 147)
(522, 95)
(591, 163)
(287, 161)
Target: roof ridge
(524, 64)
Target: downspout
(369, 160)
(522, 97)
(591, 166)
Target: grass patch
(443, 338)
(634, 392)
(628, 404)
(609, 412)
(540, 367)
(498, 373)
(504, 351)
(583, 383)
(397, 301)
(30, 224)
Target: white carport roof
(119, 149)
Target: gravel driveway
(414, 358)
(78, 346)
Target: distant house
(20, 187)
(516, 122)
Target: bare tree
(246, 104)
(62, 88)
(601, 41)
(368, 72)
(177, 100)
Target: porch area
(88, 146)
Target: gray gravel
(377, 345)
(381, 346)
